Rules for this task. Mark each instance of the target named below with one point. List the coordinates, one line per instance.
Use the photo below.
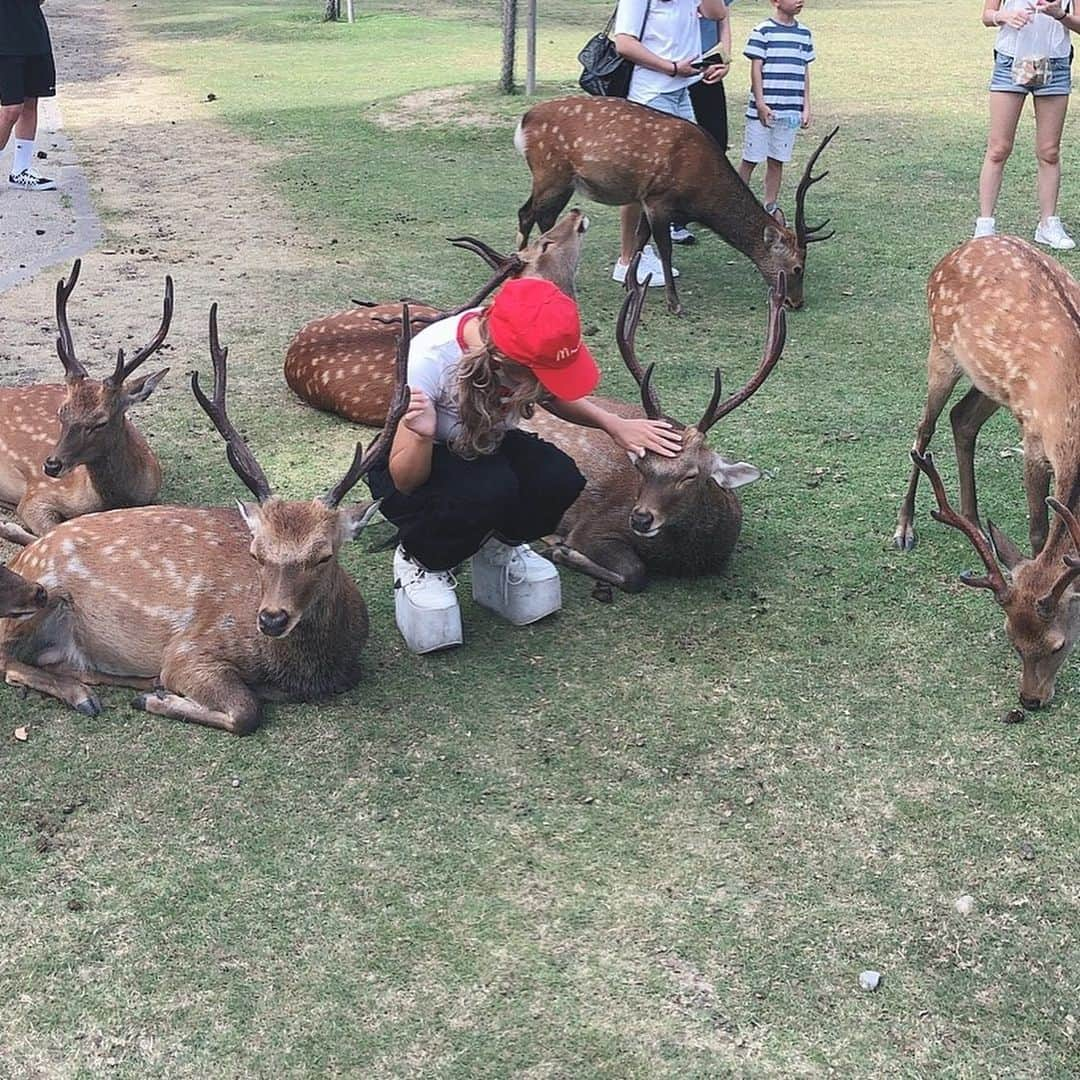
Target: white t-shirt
(433, 367)
(1043, 36)
(671, 31)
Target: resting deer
(618, 153)
(19, 599)
(677, 515)
(71, 450)
(209, 610)
(344, 363)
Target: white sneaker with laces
(1052, 233)
(29, 180)
(649, 264)
(984, 226)
(515, 582)
(425, 605)
(680, 234)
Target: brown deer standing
(71, 450)
(1006, 316)
(343, 363)
(209, 610)
(618, 152)
(677, 515)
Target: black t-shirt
(22, 29)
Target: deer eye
(1057, 648)
(689, 478)
(324, 560)
(99, 425)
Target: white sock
(24, 152)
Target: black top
(22, 29)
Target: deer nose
(273, 623)
(1031, 702)
(53, 467)
(641, 521)
(41, 597)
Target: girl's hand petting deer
(419, 416)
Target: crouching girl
(461, 481)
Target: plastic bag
(1031, 62)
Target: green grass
(659, 838)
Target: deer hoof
(89, 706)
(904, 537)
(602, 592)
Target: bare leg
(1037, 487)
(746, 170)
(1049, 121)
(774, 174)
(1005, 111)
(26, 125)
(943, 376)
(66, 689)
(967, 417)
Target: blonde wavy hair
(482, 406)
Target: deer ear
(138, 390)
(1008, 554)
(250, 513)
(354, 519)
(776, 240)
(733, 475)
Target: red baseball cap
(535, 324)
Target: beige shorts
(761, 142)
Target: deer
(207, 611)
(618, 152)
(343, 363)
(20, 599)
(1006, 316)
(71, 450)
(677, 515)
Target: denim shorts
(1060, 77)
(674, 103)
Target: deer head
(674, 488)
(295, 544)
(1042, 610)
(92, 413)
(20, 599)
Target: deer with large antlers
(70, 450)
(208, 611)
(677, 515)
(1007, 317)
(344, 363)
(619, 153)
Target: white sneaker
(984, 226)
(680, 234)
(649, 264)
(425, 605)
(515, 582)
(29, 180)
(1052, 233)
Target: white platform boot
(515, 582)
(425, 605)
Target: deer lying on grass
(19, 599)
(675, 515)
(344, 363)
(208, 610)
(97, 460)
(618, 152)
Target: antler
(994, 579)
(236, 450)
(625, 331)
(806, 234)
(775, 336)
(378, 447)
(124, 370)
(1047, 603)
(486, 252)
(65, 349)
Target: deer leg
(62, 687)
(660, 224)
(966, 417)
(562, 554)
(212, 696)
(1037, 487)
(15, 534)
(944, 375)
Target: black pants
(710, 108)
(520, 493)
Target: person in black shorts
(26, 74)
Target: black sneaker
(680, 234)
(29, 180)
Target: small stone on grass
(869, 980)
(964, 904)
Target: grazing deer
(618, 153)
(19, 599)
(1042, 610)
(208, 610)
(97, 460)
(344, 363)
(677, 515)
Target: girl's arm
(1057, 11)
(993, 15)
(633, 436)
(410, 452)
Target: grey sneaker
(680, 234)
(29, 180)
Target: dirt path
(178, 193)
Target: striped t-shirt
(785, 50)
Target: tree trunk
(331, 10)
(509, 28)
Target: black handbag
(604, 72)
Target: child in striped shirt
(780, 51)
